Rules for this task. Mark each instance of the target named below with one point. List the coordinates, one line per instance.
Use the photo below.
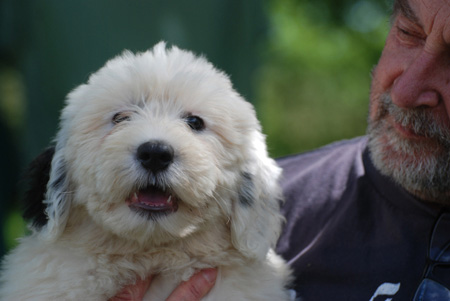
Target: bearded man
(369, 218)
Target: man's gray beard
(421, 168)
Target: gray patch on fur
(247, 190)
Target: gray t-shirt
(352, 233)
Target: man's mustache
(421, 121)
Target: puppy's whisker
(68, 192)
(225, 188)
(220, 203)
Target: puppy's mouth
(152, 201)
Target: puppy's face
(155, 145)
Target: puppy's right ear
(58, 197)
(47, 200)
(37, 176)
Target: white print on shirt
(386, 289)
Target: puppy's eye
(195, 122)
(120, 117)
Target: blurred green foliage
(313, 85)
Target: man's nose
(422, 82)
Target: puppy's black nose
(155, 155)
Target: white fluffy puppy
(159, 168)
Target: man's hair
(402, 6)
(397, 6)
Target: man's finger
(195, 288)
(133, 292)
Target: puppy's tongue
(152, 199)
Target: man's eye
(195, 122)
(409, 36)
(404, 31)
(121, 117)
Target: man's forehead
(431, 15)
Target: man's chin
(420, 167)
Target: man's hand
(133, 292)
(195, 288)
(192, 290)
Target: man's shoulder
(316, 184)
(330, 160)
(339, 148)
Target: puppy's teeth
(135, 196)
(169, 199)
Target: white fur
(93, 244)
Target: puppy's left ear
(256, 219)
